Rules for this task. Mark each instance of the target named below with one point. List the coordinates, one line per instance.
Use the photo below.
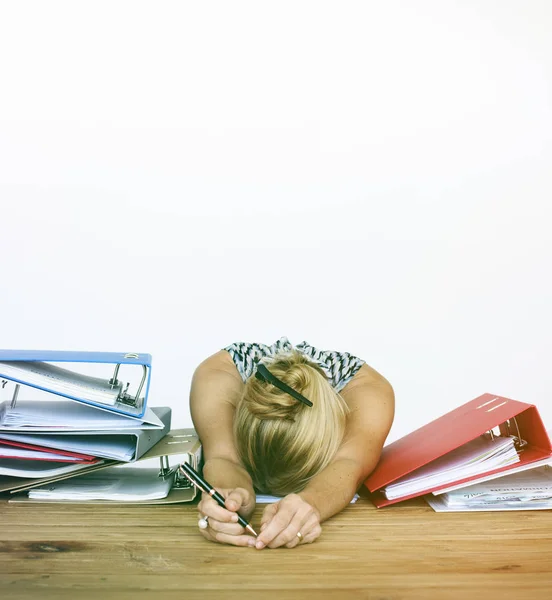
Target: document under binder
(177, 442)
(126, 444)
(60, 373)
(49, 416)
(530, 489)
(488, 415)
(22, 450)
(116, 484)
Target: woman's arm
(371, 401)
(216, 388)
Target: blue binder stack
(65, 413)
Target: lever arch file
(177, 442)
(487, 417)
(122, 389)
(116, 444)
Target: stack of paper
(104, 445)
(38, 469)
(527, 490)
(10, 448)
(478, 456)
(66, 431)
(142, 482)
(58, 423)
(60, 415)
(269, 499)
(121, 484)
(61, 381)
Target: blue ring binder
(34, 368)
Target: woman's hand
(282, 521)
(222, 525)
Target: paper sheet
(49, 415)
(37, 469)
(59, 380)
(115, 447)
(475, 457)
(115, 483)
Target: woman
(296, 422)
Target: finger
(269, 512)
(312, 536)
(276, 525)
(236, 499)
(225, 538)
(217, 532)
(208, 507)
(297, 524)
(229, 528)
(310, 531)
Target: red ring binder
(518, 420)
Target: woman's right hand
(223, 526)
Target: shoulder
(366, 376)
(215, 391)
(371, 399)
(220, 362)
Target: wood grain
(405, 552)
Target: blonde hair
(282, 442)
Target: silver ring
(300, 536)
(203, 523)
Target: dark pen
(199, 482)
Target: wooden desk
(401, 552)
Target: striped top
(339, 367)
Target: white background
(369, 176)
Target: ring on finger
(300, 536)
(203, 523)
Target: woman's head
(281, 441)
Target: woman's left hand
(282, 521)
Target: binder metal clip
(519, 442)
(507, 427)
(168, 472)
(124, 397)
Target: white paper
(438, 505)
(268, 499)
(116, 447)
(125, 484)
(58, 380)
(475, 457)
(47, 416)
(526, 486)
(38, 469)
(518, 469)
(26, 454)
